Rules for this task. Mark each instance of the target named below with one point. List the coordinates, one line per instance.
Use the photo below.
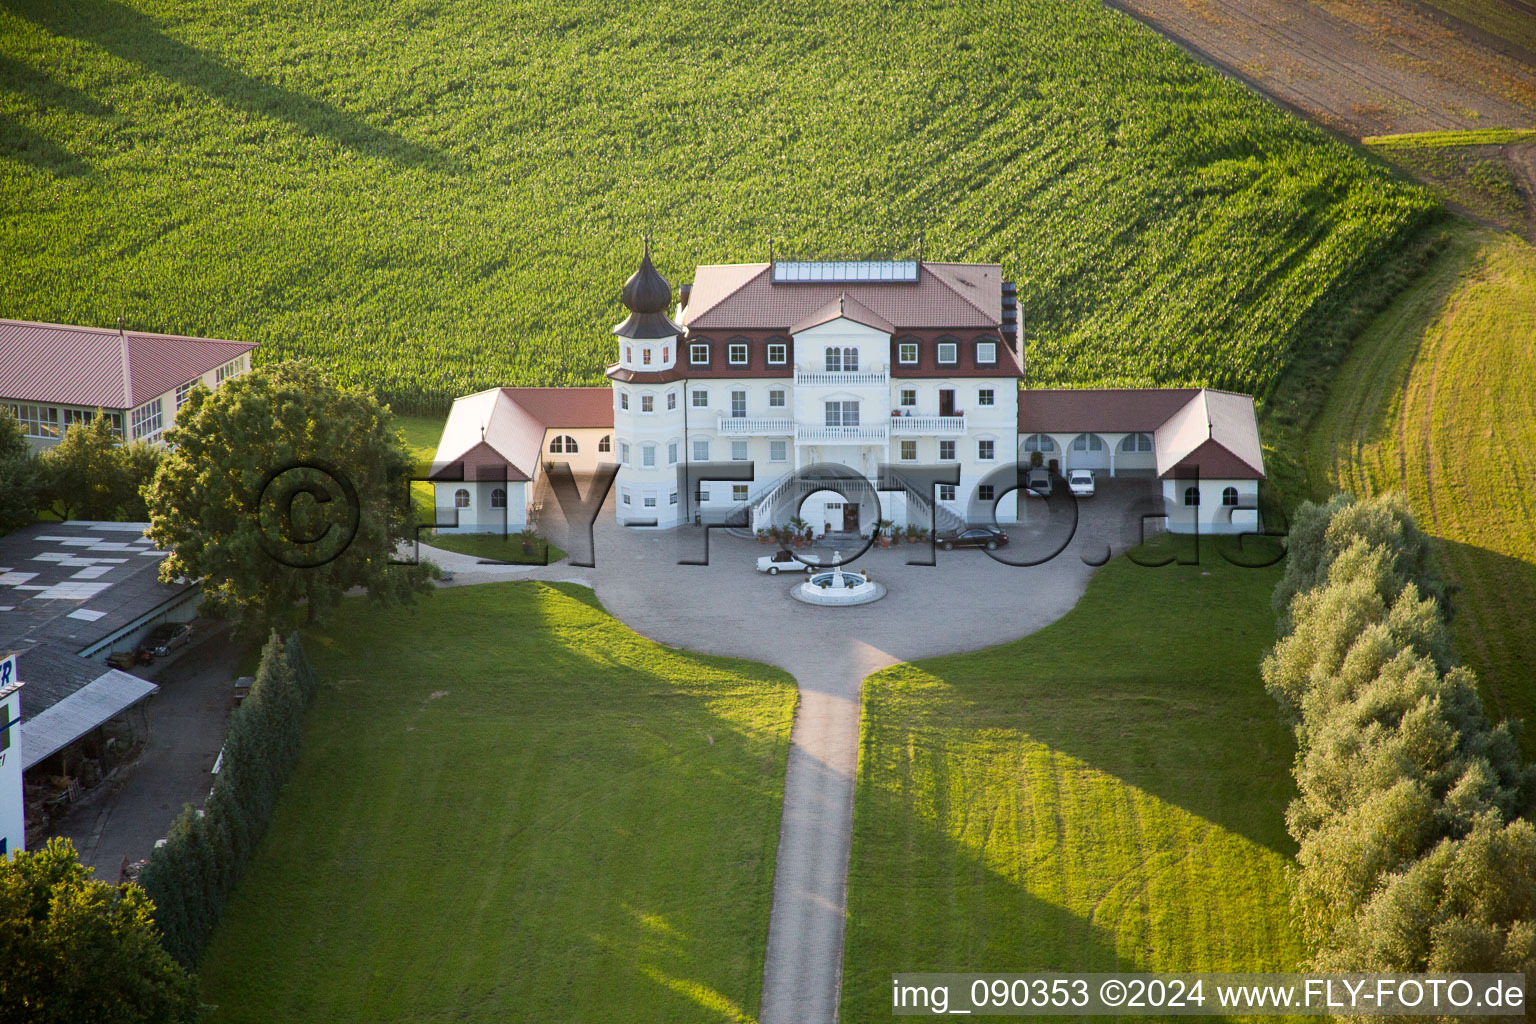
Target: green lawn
(1107, 794)
(431, 199)
(1436, 402)
(509, 806)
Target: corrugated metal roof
(744, 296)
(99, 701)
(98, 366)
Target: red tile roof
(845, 307)
(98, 366)
(743, 295)
(1113, 410)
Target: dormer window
(986, 352)
(778, 354)
(906, 353)
(948, 352)
(738, 354)
(698, 354)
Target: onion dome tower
(647, 295)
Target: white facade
(13, 811)
(505, 506)
(1211, 506)
(839, 403)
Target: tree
(77, 949)
(91, 474)
(281, 492)
(18, 476)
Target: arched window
(498, 498)
(1134, 443)
(461, 498)
(1191, 495)
(850, 360)
(1229, 496)
(1087, 443)
(606, 444)
(834, 360)
(1039, 443)
(562, 444)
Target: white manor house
(787, 366)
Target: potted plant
(797, 528)
(1036, 459)
(883, 528)
(762, 536)
(914, 533)
(528, 537)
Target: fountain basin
(837, 589)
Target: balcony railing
(747, 426)
(944, 426)
(857, 379)
(872, 434)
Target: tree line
(1414, 851)
(90, 474)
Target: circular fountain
(833, 588)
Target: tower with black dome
(648, 414)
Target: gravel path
(967, 601)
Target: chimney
(683, 292)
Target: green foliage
(92, 474)
(433, 205)
(18, 476)
(220, 502)
(1411, 851)
(1321, 533)
(204, 856)
(76, 949)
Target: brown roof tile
(1108, 409)
(739, 296)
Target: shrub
(191, 876)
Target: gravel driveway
(964, 602)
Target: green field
(1105, 795)
(1506, 20)
(1437, 402)
(433, 198)
(509, 806)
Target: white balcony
(858, 379)
(873, 434)
(748, 426)
(928, 426)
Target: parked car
(165, 638)
(1037, 483)
(783, 561)
(1080, 481)
(989, 537)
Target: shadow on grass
(509, 804)
(18, 142)
(921, 902)
(137, 38)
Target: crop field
(432, 198)
(509, 806)
(1105, 795)
(1436, 402)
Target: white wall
(1211, 516)
(480, 517)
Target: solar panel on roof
(843, 271)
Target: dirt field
(1373, 67)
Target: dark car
(165, 638)
(989, 537)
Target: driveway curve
(966, 601)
